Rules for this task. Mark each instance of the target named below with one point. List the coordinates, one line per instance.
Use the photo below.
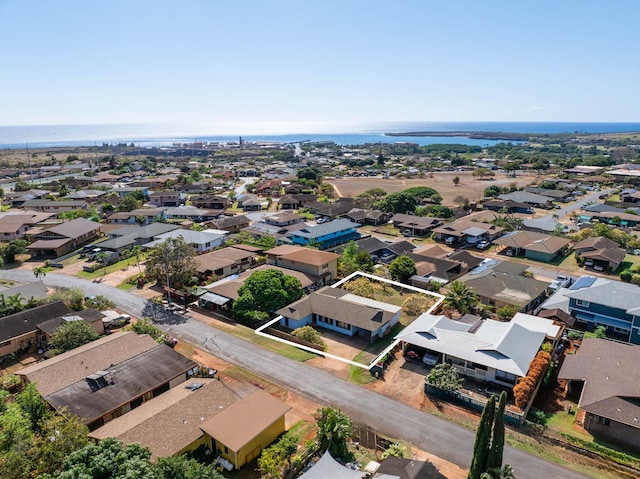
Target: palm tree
(13, 304)
(101, 257)
(135, 252)
(126, 254)
(505, 473)
(334, 431)
(39, 271)
(460, 297)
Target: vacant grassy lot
(469, 187)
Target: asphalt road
(437, 436)
(549, 221)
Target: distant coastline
(476, 135)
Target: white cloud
(536, 108)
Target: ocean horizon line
(344, 133)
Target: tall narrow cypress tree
(494, 461)
(483, 440)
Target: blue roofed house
(326, 235)
(338, 310)
(603, 302)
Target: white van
(113, 319)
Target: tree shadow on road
(162, 315)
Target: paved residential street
(427, 432)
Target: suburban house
(320, 264)
(284, 219)
(126, 237)
(296, 201)
(242, 430)
(341, 311)
(92, 317)
(434, 263)
(556, 195)
(108, 377)
(399, 468)
(160, 199)
(19, 332)
(210, 202)
(327, 467)
(64, 238)
(367, 216)
(604, 375)
(332, 210)
(52, 206)
(380, 251)
(507, 206)
(269, 187)
(326, 235)
(610, 217)
(201, 241)
(261, 229)
(17, 198)
(232, 224)
(129, 190)
(27, 291)
(197, 215)
(493, 351)
(501, 283)
(249, 202)
(600, 253)
(416, 225)
(532, 199)
(90, 196)
(224, 262)
(144, 216)
(467, 232)
(535, 246)
(225, 291)
(171, 424)
(603, 302)
(14, 226)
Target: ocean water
(148, 135)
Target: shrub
(307, 333)
(635, 279)
(416, 304)
(360, 287)
(537, 416)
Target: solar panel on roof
(583, 282)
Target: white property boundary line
(440, 299)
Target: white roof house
(488, 352)
(202, 241)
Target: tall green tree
(173, 259)
(334, 431)
(70, 335)
(266, 291)
(460, 297)
(494, 461)
(400, 202)
(402, 268)
(483, 440)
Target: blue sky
(189, 62)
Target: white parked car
(430, 359)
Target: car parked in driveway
(483, 245)
(430, 359)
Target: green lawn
(562, 422)
(125, 263)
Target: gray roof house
(533, 199)
(605, 376)
(341, 311)
(503, 283)
(495, 351)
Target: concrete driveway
(429, 433)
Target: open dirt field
(442, 181)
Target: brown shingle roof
(611, 379)
(75, 228)
(244, 420)
(170, 422)
(311, 256)
(67, 368)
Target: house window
(581, 302)
(603, 420)
(226, 450)
(342, 325)
(621, 330)
(479, 366)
